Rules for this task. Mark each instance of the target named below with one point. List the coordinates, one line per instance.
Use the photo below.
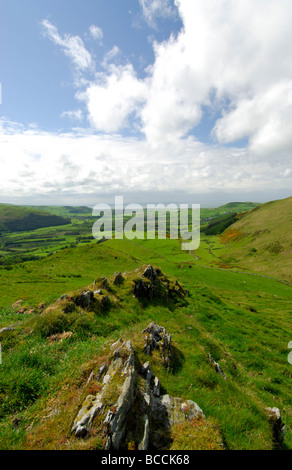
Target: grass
(242, 320)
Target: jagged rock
(84, 299)
(158, 338)
(156, 387)
(217, 367)
(135, 411)
(83, 422)
(151, 273)
(101, 282)
(65, 296)
(105, 302)
(115, 345)
(143, 445)
(167, 410)
(116, 425)
(117, 278)
(102, 371)
(143, 289)
(279, 428)
(104, 282)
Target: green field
(241, 316)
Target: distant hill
(66, 211)
(261, 239)
(238, 206)
(214, 221)
(21, 218)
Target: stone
(105, 302)
(145, 440)
(116, 344)
(167, 410)
(133, 410)
(217, 367)
(104, 282)
(150, 273)
(86, 415)
(158, 338)
(65, 296)
(84, 299)
(279, 429)
(117, 278)
(156, 387)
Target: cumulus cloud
(230, 59)
(111, 100)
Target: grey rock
(156, 387)
(85, 299)
(65, 296)
(145, 440)
(118, 278)
(217, 367)
(116, 344)
(150, 273)
(279, 429)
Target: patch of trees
(34, 221)
(220, 224)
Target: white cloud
(40, 164)
(96, 32)
(111, 100)
(76, 114)
(231, 57)
(72, 46)
(153, 9)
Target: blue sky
(37, 79)
(156, 100)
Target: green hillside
(260, 241)
(66, 211)
(243, 321)
(21, 218)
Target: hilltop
(261, 240)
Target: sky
(157, 101)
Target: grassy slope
(16, 215)
(264, 245)
(65, 211)
(242, 320)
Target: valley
(237, 309)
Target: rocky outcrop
(279, 429)
(150, 283)
(157, 338)
(129, 406)
(145, 283)
(115, 397)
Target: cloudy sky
(155, 100)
